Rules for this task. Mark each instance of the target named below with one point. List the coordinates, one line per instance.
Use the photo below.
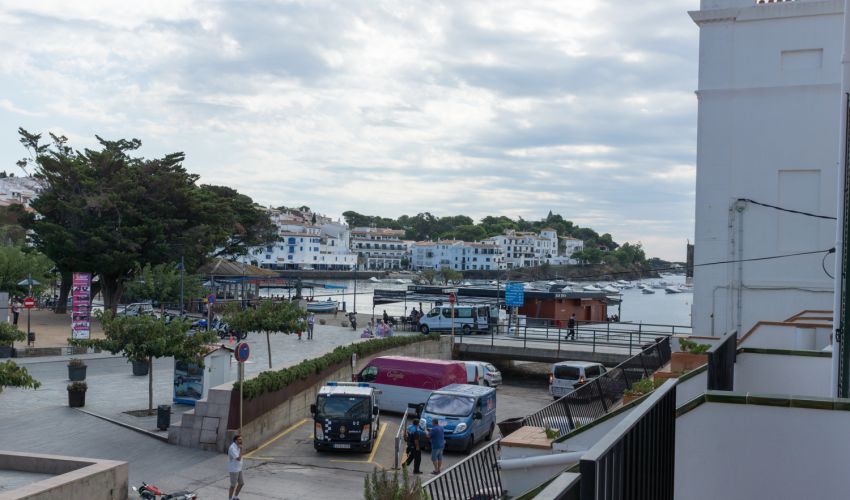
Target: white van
(567, 376)
(468, 319)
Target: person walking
(311, 319)
(571, 327)
(234, 467)
(414, 447)
(438, 443)
(16, 310)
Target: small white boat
(571, 283)
(402, 281)
(647, 290)
(374, 280)
(466, 283)
(591, 288)
(326, 306)
(610, 289)
(672, 289)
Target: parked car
(566, 376)
(467, 319)
(136, 309)
(481, 373)
(492, 375)
(404, 380)
(467, 414)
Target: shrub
(9, 333)
(692, 347)
(643, 386)
(77, 387)
(76, 363)
(381, 486)
(275, 380)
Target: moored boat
(326, 306)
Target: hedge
(275, 380)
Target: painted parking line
(374, 448)
(272, 440)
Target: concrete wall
(789, 336)
(73, 477)
(692, 387)
(783, 374)
(206, 426)
(768, 114)
(746, 451)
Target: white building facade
(456, 255)
(380, 248)
(525, 249)
(768, 97)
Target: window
(591, 372)
(268, 257)
(447, 312)
(566, 372)
(369, 374)
(433, 313)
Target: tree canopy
(268, 317)
(108, 212)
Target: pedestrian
(571, 327)
(311, 319)
(352, 318)
(414, 447)
(16, 310)
(438, 443)
(234, 467)
(386, 317)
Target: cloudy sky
(515, 108)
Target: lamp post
(182, 267)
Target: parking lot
(294, 446)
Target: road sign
(514, 294)
(243, 351)
(452, 298)
(211, 298)
(29, 302)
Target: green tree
(268, 317)
(12, 375)
(143, 338)
(16, 265)
(450, 275)
(107, 212)
(428, 276)
(161, 283)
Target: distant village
(310, 241)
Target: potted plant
(8, 334)
(692, 356)
(77, 394)
(76, 370)
(140, 367)
(640, 388)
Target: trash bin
(510, 425)
(163, 417)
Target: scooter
(151, 492)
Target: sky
(585, 108)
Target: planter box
(628, 399)
(681, 361)
(6, 351)
(666, 375)
(140, 368)
(76, 373)
(76, 399)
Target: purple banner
(81, 306)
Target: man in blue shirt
(438, 443)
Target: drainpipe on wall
(740, 205)
(840, 348)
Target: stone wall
(73, 477)
(205, 427)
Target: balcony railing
(721, 363)
(597, 397)
(477, 476)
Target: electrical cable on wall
(823, 262)
(798, 212)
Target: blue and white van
(466, 412)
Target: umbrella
(29, 282)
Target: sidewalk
(51, 329)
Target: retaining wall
(73, 477)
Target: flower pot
(76, 399)
(681, 361)
(76, 373)
(140, 368)
(6, 351)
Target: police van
(467, 319)
(345, 417)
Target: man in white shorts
(234, 467)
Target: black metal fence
(595, 398)
(476, 477)
(636, 459)
(721, 363)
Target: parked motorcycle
(151, 492)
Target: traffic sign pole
(243, 352)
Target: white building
(305, 241)
(19, 190)
(525, 249)
(380, 248)
(571, 246)
(768, 97)
(457, 255)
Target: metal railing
(477, 477)
(625, 337)
(636, 459)
(399, 439)
(596, 398)
(721, 363)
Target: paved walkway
(51, 329)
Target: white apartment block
(457, 255)
(525, 249)
(303, 244)
(19, 190)
(572, 245)
(380, 248)
(768, 126)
